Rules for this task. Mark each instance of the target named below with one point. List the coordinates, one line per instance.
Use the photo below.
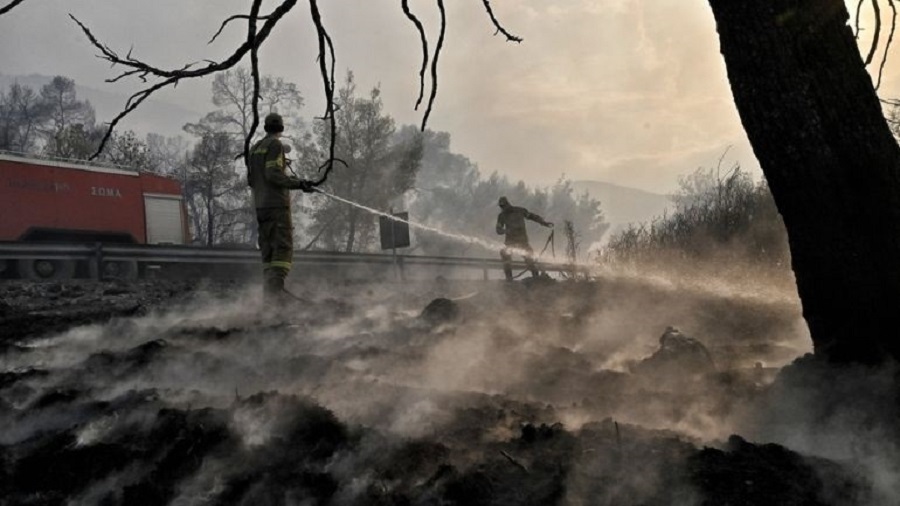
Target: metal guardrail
(96, 254)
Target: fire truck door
(164, 220)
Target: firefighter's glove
(306, 186)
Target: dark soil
(492, 394)
(31, 310)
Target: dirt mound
(678, 356)
(744, 473)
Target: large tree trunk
(815, 123)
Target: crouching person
(511, 223)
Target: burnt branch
(232, 18)
(887, 46)
(509, 37)
(142, 70)
(10, 6)
(514, 462)
(434, 63)
(412, 17)
(858, 12)
(159, 78)
(326, 69)
(254, 72)
(877, 35)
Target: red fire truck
(67, 201)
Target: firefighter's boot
(506, 257)
(275, 294)
(273, 286)
(275, 289)
(532, 266)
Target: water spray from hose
(491, 245)
(719, 289)
(450, 235)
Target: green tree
(450, 193)
(381, 167)
(70, 123)
(21, 114)
(580, 209)
(232, 94)
(210, 181)
(165, 154)
(127, 150)
(77, 141)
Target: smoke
(464, 238)
(843, 413)
(354, 365)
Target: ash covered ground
(613, 392)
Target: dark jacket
(511, 221)
(268, 181)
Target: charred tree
(816, 125)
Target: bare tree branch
(315, 239)
(254, 71)
(424, 68)
(858, 12)
(172, 77)
(434, 62)
(326, 48)
(10, 6)
(877, 35)
(232, 18)
(888, 45)
(510, 37)
(256, 35)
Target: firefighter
(270, 186)
(511, 221)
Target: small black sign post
(394, 234)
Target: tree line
(721, 220)
(385, 166)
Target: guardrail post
(96, 262)
(400, 268)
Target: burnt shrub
(717, 217)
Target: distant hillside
(623, 205)
(153, 116)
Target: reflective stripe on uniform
(274, 163)
(282, 265)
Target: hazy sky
(632, 92)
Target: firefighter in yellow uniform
(270, 186)
(511, 222)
